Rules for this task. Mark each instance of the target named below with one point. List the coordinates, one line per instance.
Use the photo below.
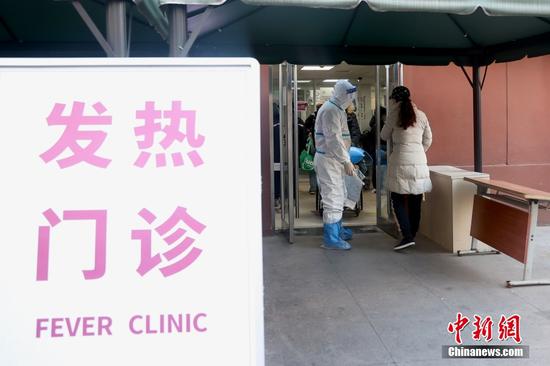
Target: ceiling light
(330, 80)
(304, 81)
(316, 68)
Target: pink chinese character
(483, 328)
(509, 328)
(72, 135)
(170, 133)
(43, 258)
(176, 239)
(458, 326)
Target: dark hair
(407, 116)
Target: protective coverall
(332, 161)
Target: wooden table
(507, 221)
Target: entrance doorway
(296, 91)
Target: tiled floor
(371, 306)
(309, 218)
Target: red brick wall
(516, 118)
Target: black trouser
(407, 211)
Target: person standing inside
(353, 126)
(355, 135)
(408, 173)
(332, 161)
(310, 131)
(369, 143)
(309, 124)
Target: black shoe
(405, 243)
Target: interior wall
(364, 110)
(361, 76)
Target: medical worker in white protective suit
(332, 161)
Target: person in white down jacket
(408, 174)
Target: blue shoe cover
(331, 236)
(345, 233)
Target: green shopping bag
(306, 158)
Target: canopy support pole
(93, 28)
(177, 18)
(400, 70)
(116, 27)
(467, 76)
(478, 143)
(477, 86)
(196, 32)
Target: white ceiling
(342, 71)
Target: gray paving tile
(315, 300)
(535, 329)
(372, 306)
(318, 341)
(537, 296)
(399, 302)
(414, 338)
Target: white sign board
(130, 220)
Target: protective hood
(344, 93)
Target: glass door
(292, 187)
(288, 131)
(387, 77)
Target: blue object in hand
(356, 154)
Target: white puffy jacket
(408, 171)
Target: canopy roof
(463, 7)
(422, 32)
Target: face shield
(345, 92)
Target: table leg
(528, 268)
(474, 250)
